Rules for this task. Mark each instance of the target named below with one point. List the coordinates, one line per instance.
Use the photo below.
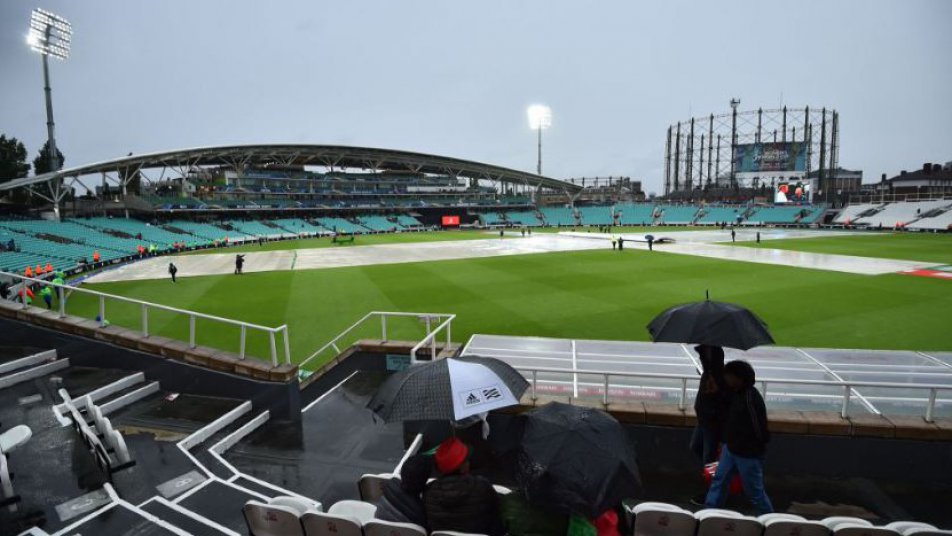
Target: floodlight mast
(540, 118)
(50, 35)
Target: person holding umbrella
(457, 500)
(710, 404)
(745, 440)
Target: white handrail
(64, 291)
(444, 319)
(846, 385)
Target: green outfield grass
(592, 294)
(926, 247)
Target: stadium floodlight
(50, 34)
(540, 118)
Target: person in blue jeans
(745, 440)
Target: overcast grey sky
(454, 78)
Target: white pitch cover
(476, 389)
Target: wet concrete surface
(220, 503)
(324, 455)
(10, 353)
(119, 521)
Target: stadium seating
(596, 215)
(408, 222)
(900, 214)
(852, 212)
(635, 214)
(151, 234)
(716, 522)
(777, 215)
(559, 216)
(340, 225)
(523, 217)
(377, 223)
(257, 228)
(661, 519)
(715, 215)
(492, 218)
(676, 214)
(202, 232)
(299, 225)
(935, 220)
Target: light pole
(50, 35)
(540, 118)
(734, 104)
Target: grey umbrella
(448, 389)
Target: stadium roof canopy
(333, 156)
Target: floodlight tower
(734, 104)
(540, 118)
(50, 35)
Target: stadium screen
(777, 156)
(450, 221)
(792, 192)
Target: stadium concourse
(700, 243)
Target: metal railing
(434, 324)
(63, 292)
(847, 387)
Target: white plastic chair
(794, 527)
(784, 517)
(371, 486)
(902, 526)
(379, 527)
(709, 512)
(835, 521)
(326, 524)
(271, 520)
(360, 510)
(114, 439)
(858, 529)
(299, 504)
(661, 519)
(726, 523)
(501, 490)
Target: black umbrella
(448, 389)
(710, 322)
(576, 460)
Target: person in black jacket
(745, 440)
(459, 501)
(401, 500)
(710, 406)
(711, 403)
